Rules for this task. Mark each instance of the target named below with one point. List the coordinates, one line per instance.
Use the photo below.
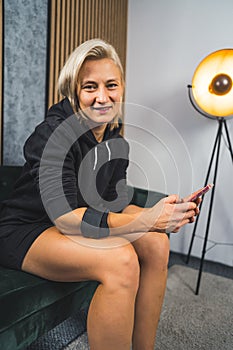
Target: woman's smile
(102, 110)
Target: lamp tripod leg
(228, 139)
(210, 210)
(193, 236)
(218, 135)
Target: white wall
(170, 142)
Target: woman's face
(100, 90)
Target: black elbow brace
(94, 224)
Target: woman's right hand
(169, 214)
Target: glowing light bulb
(212, 83)
(221, 84)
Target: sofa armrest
(144, 198)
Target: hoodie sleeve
(48, 152)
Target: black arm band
(94, 224)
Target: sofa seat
(31, 306)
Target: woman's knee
(154, 249)
(123, 271)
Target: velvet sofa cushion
(144, 198)
(31, 306)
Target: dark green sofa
(31, 306)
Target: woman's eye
(112, 86)
(89, 87)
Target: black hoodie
(66, 168)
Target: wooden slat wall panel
(74, 21)
(1, 78)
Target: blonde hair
(68, 78)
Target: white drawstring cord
(109, 151)
(96, 155)
(96, 159)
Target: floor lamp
(211, 94)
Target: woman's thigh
(61, 258)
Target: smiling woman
(69, 217)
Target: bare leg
(111, 313)
(153, 253)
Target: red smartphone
(201, 192)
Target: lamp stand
(216, 151)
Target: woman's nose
(102, 95)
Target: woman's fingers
(170, 214)
(183, 214)
(186, 206)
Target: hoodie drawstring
(96, 155)
(96, 159)
(109, 151)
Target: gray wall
(24, 73)
(167, 39)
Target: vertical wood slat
(74, 21)
(52, 51)
(71, 27)
(62, 32)
(58, 46)
(1, 79)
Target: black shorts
(15, 241)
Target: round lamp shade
(212, 83)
